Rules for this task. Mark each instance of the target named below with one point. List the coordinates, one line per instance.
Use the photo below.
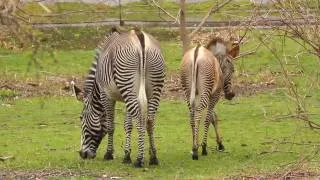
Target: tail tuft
(194, 73)
(142, 95)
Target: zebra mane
(218, 47)
(102, 46)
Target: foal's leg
(195, 123)
(211, 117)
(206, 129)
(214, 121)
(218, 139)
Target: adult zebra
(205, 72)
(128, 67)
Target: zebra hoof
(138, 163)
(108, 156)
(204, 150)
(195, 156)
(230, 96)
(154, 161)
(220, 147)
(126, 160)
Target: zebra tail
(194, 73)
(142, 96)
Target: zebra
(127, 67)
(205, 72)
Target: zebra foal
(127, 67)
(206, 72)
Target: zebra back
(102, 46)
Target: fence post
(120, 16)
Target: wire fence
(149, 13)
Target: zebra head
(91, 130)
(225, 52)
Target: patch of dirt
(49, 174)
(60, 86)
(50, 86)
(173, 90)
(44, 174)
(288, 175)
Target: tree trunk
(183, 31)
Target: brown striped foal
(205, 73)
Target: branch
(44, 7)
(301, 116)
(251, 51)
(166, 12)
(212, 10)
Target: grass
(75, 48)
(43, 133)
(132, 11)
(8, 94)
(21, 64)
(46, 133)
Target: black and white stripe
(128, 67)
(205, 73)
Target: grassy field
(42, 133)
(141, 11)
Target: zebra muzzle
(87, 154)
(230, 95)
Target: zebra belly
(113, 92)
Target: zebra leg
(206, 128)
(109, 111)
(127, 147)
(153, 152)
(141, 133)
(195, 121)
(209, 118)
(215, 124)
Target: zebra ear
(77, 91)
(235, 49)
(114, 29)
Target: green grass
(133, 11)
(74, 48)
(44, 133)
(142, 11)
(67, 63)
(8, 94)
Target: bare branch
(251, 51)
(212, 10)
(166, 12)
(44, 7)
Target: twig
(301, 116)
(166, 12)
(275, 151)
(44, 7)
(212, 10)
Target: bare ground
(60, 86)
(173, 88)
(49, 174)
(288, 174)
